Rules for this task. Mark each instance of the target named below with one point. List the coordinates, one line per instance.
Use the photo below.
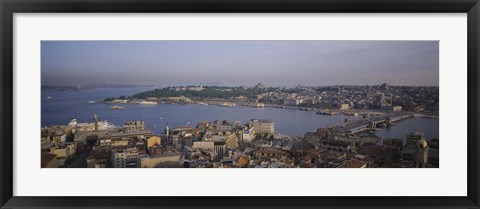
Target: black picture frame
(9, 7)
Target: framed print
(245, 104)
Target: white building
(263, 126)
(207, 145)
(248, 134)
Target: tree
(109, 99)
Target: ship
(228, 104)
(327, 112)
(147, 103)
(351, 113)
(115, 107)
(102, 125)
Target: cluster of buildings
(344, 97)
(226, 144)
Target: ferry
(351, 113)
(115, 107)
(260, 105)
(147, 103)
(228, 104)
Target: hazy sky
(276, 63)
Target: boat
(115, 107)
(91, 102)
(228, 104)
(260, 105)
(147, 103)
(202, 103)
(49, 97)
(351, 113)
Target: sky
(236, 63)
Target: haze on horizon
(235, 63)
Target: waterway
(65, 105)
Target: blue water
(66, 105)
(429, 127)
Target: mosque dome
(422, 143)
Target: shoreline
(234, 103)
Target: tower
(167, 130)
(421, 155)
(95, 120)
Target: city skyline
(236, 63)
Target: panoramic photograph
(239, 104)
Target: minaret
(421, 154)
(95, 120)
(167, 131)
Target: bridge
(371, 123)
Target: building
(224, 126)
(170, 160)
(58, 134)
(415, 155)
(49, 160)
(114, 142)
(337, 145)
(63, 151)
(219, 148)
(206, 145)
(269, 152)
(292, 102)
(154, 140)
(396, 108)
(203, 125)
(263, 126)
(232, 141)
(98, 159)
(353, 163)
(344, 106)
(421, 155)
(124, 158)
(248, 134)
(179, 99)
(134, 126)
(382, 154)
(412, 138)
